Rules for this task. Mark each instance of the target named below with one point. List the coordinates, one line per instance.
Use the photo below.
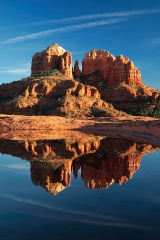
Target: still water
(106, 188)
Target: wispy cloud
(23, 69)
(102, 15)
(108, 18)
(155, 41)
(18, 71)
(62, 29)
(16, 166)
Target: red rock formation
(96, 60)
(66, 64)
(77, 71)
(110, 69)
(53, 57)
(155, 95)
(58, 94)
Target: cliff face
(112, 70)
(53, 57)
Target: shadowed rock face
(53, 57)
(102, 162)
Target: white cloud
(22, 69)
(62, 29)
(102, 15)
(113, 17)
(18, 71)
(16, 166)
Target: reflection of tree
(111, 160)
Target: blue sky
(127, 27)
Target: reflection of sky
(8, 163)
(117, 210)
(78, 216)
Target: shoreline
(145, 127)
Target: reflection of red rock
(115, 162)
(101, 162)
(58, 150)
(54, 181)
(114, 169)
(53, 57)
(55, 178)
(110, 69)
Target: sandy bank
(99, 126)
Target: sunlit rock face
(100, 64)
(53, 57)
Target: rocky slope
(106, 85)
(55, 94)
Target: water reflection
(100, 161)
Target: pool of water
(98, 190)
